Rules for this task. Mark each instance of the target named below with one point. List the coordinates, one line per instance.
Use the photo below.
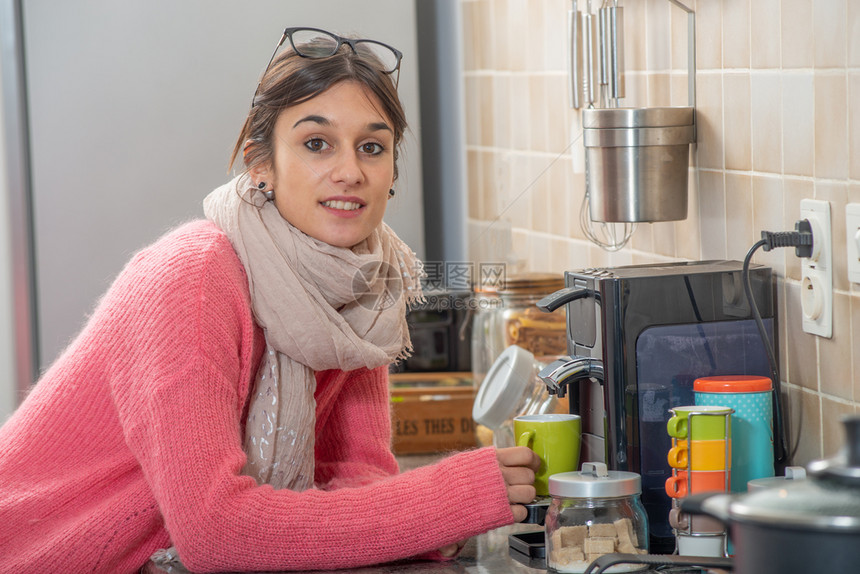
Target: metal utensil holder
(636, 159)
(691, 420)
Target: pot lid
(805, 504)
(595, 481)
(828, 500)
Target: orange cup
(701, 455)
(700, 481)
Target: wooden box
(431, 412)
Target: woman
(228, 399)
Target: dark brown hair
(293, 79)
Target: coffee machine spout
(561, 372)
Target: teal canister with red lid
(752, 422)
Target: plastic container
(512, 388)
(594, 512)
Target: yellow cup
(701, 455)
(555, 438)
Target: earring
(270, 194)
(390, 193)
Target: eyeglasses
(317, 44)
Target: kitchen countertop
(484, 554)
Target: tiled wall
(778, 103)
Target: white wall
(8, 398)
(134, 109)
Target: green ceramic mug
(555, 438)
(701, 422)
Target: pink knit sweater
(131, 442)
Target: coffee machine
(638, 336)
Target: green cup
(555, 438)
(708, 422)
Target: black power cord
(801, 239)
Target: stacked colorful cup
(700, 456)
(701, 461)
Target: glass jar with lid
(512, 388)
(594, 512)
(505, 315)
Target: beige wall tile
(798, 121)
(853, 33)
(634, 36)
(709, 35)
(779, 291)
(768, 197)
(539, 257)
(678, 38)
(520, 108)
(538, 194)
(577, 195)
(736, 34)
(555, 34)
(534, 47)
(765, 96)
(795, 190)
(764, 41)
(474, 183)
(829, 29)
(658, 50)
(518, 202)
(659, 90)
(558, 135)
(712, 201)
(473, 25)
(563, 208)
(489, 186)
(833, 434)
(835, 370)
(664, 238)
(854, 123)
(485, 101)
(836, 193)
(688, 243)
(501, 44)
(797, 34)
(472, 112)
(643, 237)
(831, 131)
(501, 116)
(709, 120)
(736, 122)
(538, 113)
(739, 215)
(801, 347)
(804, 426)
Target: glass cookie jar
(594, 512)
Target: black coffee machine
(638, 336)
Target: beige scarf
(321, 307)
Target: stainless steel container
(637, 162)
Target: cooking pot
(802, 526)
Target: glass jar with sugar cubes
(593, 512)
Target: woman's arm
(353, 437)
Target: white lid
(511, 375)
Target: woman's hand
(518, 465)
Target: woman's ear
(261, 171)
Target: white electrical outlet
(852, 237)
(816, 276)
